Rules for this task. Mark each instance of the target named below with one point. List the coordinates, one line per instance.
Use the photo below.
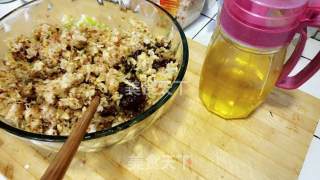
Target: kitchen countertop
(190, 142)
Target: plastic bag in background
(186, 11)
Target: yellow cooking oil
(235, 78)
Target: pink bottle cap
(262, 23)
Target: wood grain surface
(59, 165)
(188, 142)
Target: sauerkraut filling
(50, 76)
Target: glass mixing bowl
(23, 19)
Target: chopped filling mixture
(49, 77)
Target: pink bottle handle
(296, 81)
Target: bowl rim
(6, 2)
(93, 135)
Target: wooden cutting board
(191, 143)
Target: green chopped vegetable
(69, 22)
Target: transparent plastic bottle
(237, 78)
(246, 55)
